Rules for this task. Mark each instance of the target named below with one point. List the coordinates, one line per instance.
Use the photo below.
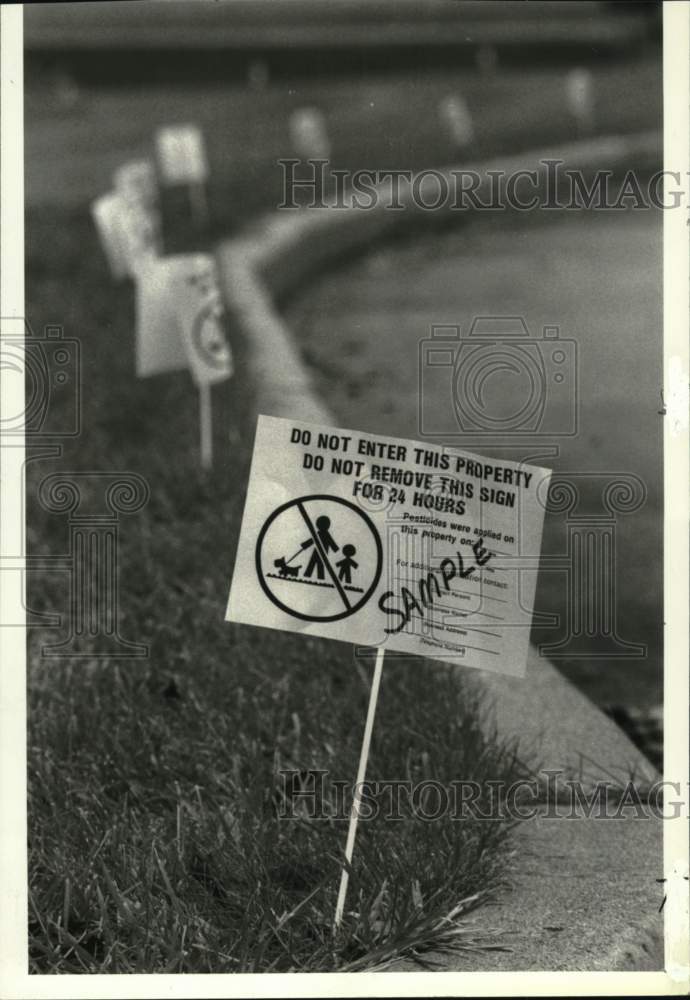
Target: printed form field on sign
(392, 543)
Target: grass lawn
(157, 841)
(154, 843)
(154, 785)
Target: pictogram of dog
(284, 570)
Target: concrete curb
(557, 726)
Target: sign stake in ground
(205, 426)
(393, 544)
(361, 774)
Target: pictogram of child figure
(346, 565)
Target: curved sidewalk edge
(585, 891)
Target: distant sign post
(136, 181)
(579, 95)
(180, 325)
(182, 160)
(106, 213)
(309, 133)
(457, 120)
(390, 543)
(129, 232)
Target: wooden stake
(361, 772)
(205, 427)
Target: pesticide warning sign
(381, 541)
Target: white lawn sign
(137, 184)
(395, 544)
(182, 160)
(106, 214)
(457, 119)
(579, 95)
(309, 134)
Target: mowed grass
(155, 843)
(165, 839)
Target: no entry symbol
(319, 558)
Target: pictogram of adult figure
(323, 532)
